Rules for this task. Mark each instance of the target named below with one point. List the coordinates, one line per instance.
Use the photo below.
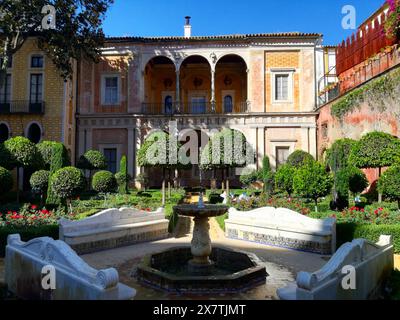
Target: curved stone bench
(72, 278)
(283, 228)
(114, 228)
(372, 265)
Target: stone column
(213, 104)
(178, 92)
(260, 146)
(313, 142)
(131, 151)
(248, 101)
(138, 141)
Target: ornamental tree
(337, 159)
(267, 176)
(72, 31)
(358, 181)
(375, 150)
(39, 182)
(123, 177)
(6, 181)
(226, 149)
(92, 160)
(284, 178)
(46, 148)
(389, 183)
(312, 181)
(23, 154)
(67, 183)
(6, 159)
(104, 182)
(298, 158)
(59, 160)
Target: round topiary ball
(39, 181)
(298, 158)
(92, 160)
(6, 180)
(67, 182)
(23, 151)
(104, 182)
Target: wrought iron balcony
(193, 108)
(22, 107)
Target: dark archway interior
(4, 133)
(34, 133)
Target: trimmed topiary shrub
(298, 158)
(104, 182)
(389, 184)
(6, 159)
(123, 177)
(92, 160)
(39, 181)
(6, 181)
(46, 148)
(59, 160)
(358, 181)
(312, 181)
(67, 183)
(284, 178)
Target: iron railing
(22, 107)
(193, 108)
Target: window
(282, 154)
(198, 105)
(34, 133)
(282, 87)
(4, 132)
(37, 62)
(228, 104)
(168, 105)
(111, 159)
(5, 94)
(110, 90)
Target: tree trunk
(227, 188)
(163, 189)
(316, 205)
(380, 197)
(18, 185)
(223, 180)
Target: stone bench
(73, 279)
(372, 264)
(283, 228)
(114, 228)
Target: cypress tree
(59, 160)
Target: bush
(312, 181)
(23, 152)
(92, 160)
(284, 178)
(6, 181)
(247, 178)
(46, 149)
(298, 158)
(389, 183)
(59, 160)
(67, 183)
(104, 182)
(6, 159)
(39, 181)
(358, 181)
(123, 177)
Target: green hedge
(346, 232)
(27, 234)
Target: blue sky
(216, 17)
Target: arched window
(228, 104)
(34, 133)
(4, 132)
(168, 105)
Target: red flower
(34, 207)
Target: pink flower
(34, 207)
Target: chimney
(188, 28)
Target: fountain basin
(232, 272)
(192, 210)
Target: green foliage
(39, 181)
(284, 178)
(247, 178)
(267, 175)
(6, 181)
(374, 93)
(104, 182)
(298, 158)
(338, 155)
(312, 181)
(214, 156)
(23, 152)
(45, 149)
(59, 160)
(123, 177)
(389, 183)
(78, 30)
(6, 159)
(358, 181)
(67, 183)
(92, 160)
(375, 150)
(143, 179)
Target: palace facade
(263, 85)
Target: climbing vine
(392, 25)
(374, 93)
